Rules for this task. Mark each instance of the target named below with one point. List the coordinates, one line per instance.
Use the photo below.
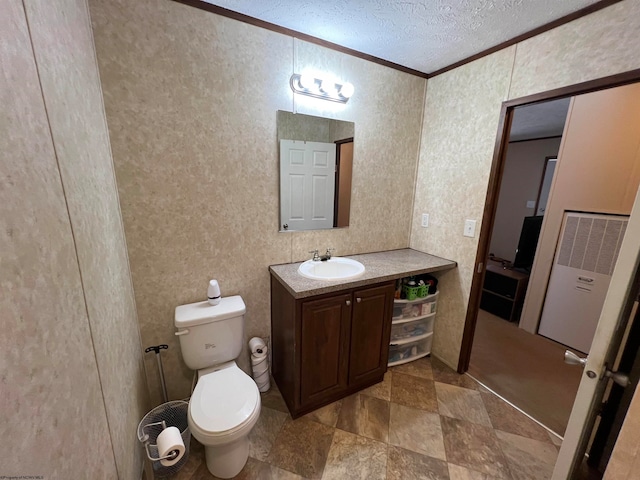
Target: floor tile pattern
(424, 421)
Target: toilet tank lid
(202, 312)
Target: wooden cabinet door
(370, 333)
(324, 347)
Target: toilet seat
(224, 402)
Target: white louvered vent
(591, 242)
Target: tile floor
(423, 422)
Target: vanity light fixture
(307, 82)
(326, 88)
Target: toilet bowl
(223, 409)
(225, 404)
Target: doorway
(501, 350)
(497, 173)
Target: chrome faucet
(321, 258)
(327, 256)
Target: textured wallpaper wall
(191, 101)
(458, 137)
(44, 404)
(460, 128)
(73, 390)
(63, 46)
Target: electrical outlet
(469, 228)
(425, 220)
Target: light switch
(469, 228)
(425, 220)
(531, 204)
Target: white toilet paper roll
(256, 344)
(170, 441)
(260, 363)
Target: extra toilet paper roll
(170, 441)
(257, 345)
(260, 363)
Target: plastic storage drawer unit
(413, 309)
(411, 329)
(407, 352)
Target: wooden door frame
(336, 193)
(495, 180)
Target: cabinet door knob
(348, 302)
(358, 299)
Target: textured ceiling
(425, 35)
(539, 120)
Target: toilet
(225, 403)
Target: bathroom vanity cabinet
(328, 346)
(330, 339)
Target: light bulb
(307, 82)
(328, 87)
(347, 90)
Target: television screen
(528, 242)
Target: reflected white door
(307, 184)
(606, 342)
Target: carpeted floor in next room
(423, 422)
(526, 369)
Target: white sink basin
(337, 268)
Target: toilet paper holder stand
(172, 455)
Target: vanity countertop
(379, 267)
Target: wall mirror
(316, 166)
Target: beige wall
(624, 463)
(460, 127)
(197, 160)
(458, 137)
(520, 183)
(598, 170)
(312, 129)
(74, 387)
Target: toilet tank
(209, 334)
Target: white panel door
(606, 343)
(307, 184)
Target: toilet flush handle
(182, 332)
